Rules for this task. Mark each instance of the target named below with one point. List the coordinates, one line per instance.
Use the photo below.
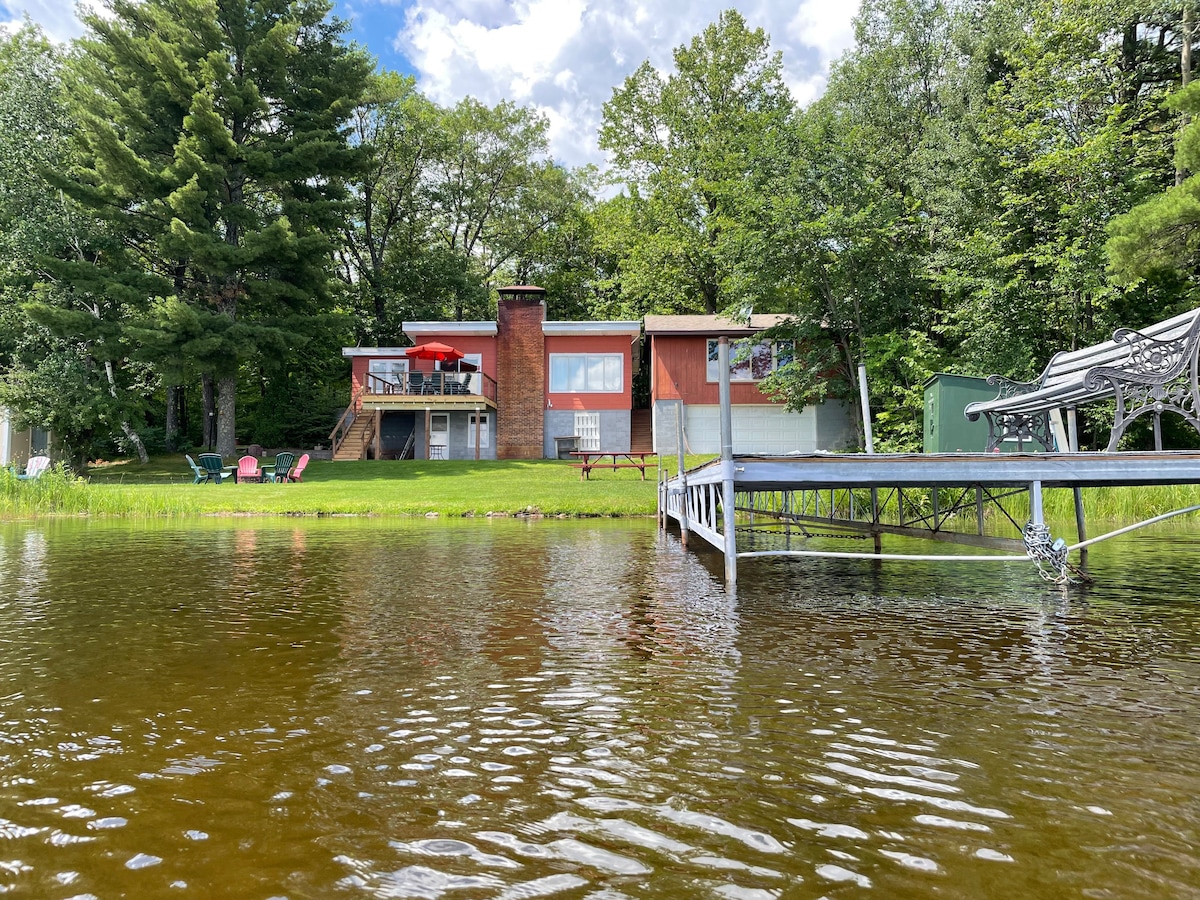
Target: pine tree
(213, 141)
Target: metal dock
(954, 497)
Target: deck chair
(200, 473)
(433, 383)
(35, 467)
(279, 471)
(298, 469)
(248, 469)
(213, 466)
(416, 382)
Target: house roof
(710, 325)
(413, 329)
(633, 329)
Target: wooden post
(477, 429)
(428, 426)
(378, 434)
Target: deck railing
(432, 384)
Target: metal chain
(1041, 549)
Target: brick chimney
(520, 372)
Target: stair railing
(342, 428)
(368, 436)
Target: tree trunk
(210, 412)
(1185, 74)
(226, 411)
(171, 426)
(126, 428)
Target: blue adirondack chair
(200, 473)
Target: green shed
(946, 427)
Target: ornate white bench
(1151, 370)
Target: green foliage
(701, 153)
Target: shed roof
(715, 325)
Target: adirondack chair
(200, 473)
(248, 469)
(279, 471)
(35, 467)
(213, 465)
(298, 469)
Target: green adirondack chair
(212, 465)
(281, 469)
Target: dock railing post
(728, 517)
(683, 519)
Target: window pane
(714, 371)
(558, 373)
(760, 361)
(595, 376)
(612, 374)
(577, 369)
(739, 361)
(784, 353)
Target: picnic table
(609, 459)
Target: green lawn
(164, 487)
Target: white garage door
(756, 429)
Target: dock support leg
(1080, 524)
(876, 534)
(728, 516)
(683, 519)
(1036, 516)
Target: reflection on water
(540, 709)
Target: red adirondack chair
(248, 469)
(298, 469)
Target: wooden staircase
(354, 444)
(641, 431)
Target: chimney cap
(521, 289)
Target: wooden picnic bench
(595, 459)
(1150, 370)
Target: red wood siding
(680, 371)
(592, 344)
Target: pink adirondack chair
(298, 469)
(248, 469)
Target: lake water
(518, 709)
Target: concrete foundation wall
(614, 429)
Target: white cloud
(57, 17)
(562, 57)
(565, 57)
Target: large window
(586, 373)
(750, 362)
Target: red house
(684, 384)
(517, 388)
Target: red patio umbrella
(434, 350)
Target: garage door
(756, 429)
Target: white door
(587, 426)
(485, 431)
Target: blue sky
(562, 57)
